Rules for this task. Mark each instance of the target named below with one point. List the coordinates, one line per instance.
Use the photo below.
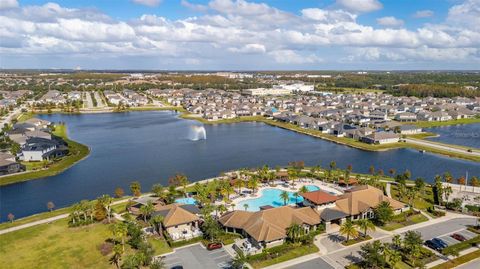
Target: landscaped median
(404, 219)
(280, 254)
(77, 152)
(458, 261)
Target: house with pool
(266, 226)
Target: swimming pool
(188, 201)
(272, 197)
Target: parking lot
(196, 257)
(451, 241)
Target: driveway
(344, 256)
(196, 257)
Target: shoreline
(81, 152)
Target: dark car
(440, 242)
(177, 267)
(458, 237)
(433, 245)
(213, 246)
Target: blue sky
(240, 34)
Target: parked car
(177, 267)
(458, 237)
(433, 245)
(213, 246)
(440, 242)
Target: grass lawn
(77, 153)
(291, 254)
(55, 246)
(427, 124)
(422, 202)
(460, 260)
(356, 240)
(402, 220)
(160, 245)
(25, 116)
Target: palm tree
(447, 191)
(303, 189)
(120, 231)
(294, 232)
(158, 190)
(253, 184)
(135, 188)
(232, 205)
(147, 210)
(245, 206)
(106, 201)
(284, 196)
(365, 225)
(222, 209)
(474, 182)
(296, 194)
(117, 256)
(348, 229)
(392, 255)
(411, 196)
(397, 241)
(156, 222)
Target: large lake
(152, 146)
(463, 135)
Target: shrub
(105, 248)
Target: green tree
(348, 229)
(284, 196)
(373, 255)
(383, 213)
(106, 201)
(147, 210)
(412, 244)
(365, 225)
(239, 261)
(158, 190)
(303, 189)
(120, 231)
(245, 206)
(117, 255)
(158, 263)
(294, 232)
(156, 222)
(136, 188)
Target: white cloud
(390, 21)
(249, 48)
(292, 57)
(8, 4)
(195, 7)
(149, 3)
(249, 34)
(361, 5)
(423, 14)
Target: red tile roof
(319, 197)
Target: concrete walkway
(51, 219)
(387, 189)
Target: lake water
(152, 146)
(463, 135)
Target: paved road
(342, 257)
(88, 100)
(100, 102)
(196, 257)
(442, 147)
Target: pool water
(188, 201)
(272, 197)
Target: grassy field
(422, 202)
(35, 217)
(25, 116)
(55, 246)
(399, 222)
(77, 152)
(428, 124)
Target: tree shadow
(336, 238)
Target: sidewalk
(443, 259)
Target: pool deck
(327, 187)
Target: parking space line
(220, 257)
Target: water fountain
(197, 133)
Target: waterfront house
(39, 149)
(381, 138)
(410, 129)
(8, 164)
